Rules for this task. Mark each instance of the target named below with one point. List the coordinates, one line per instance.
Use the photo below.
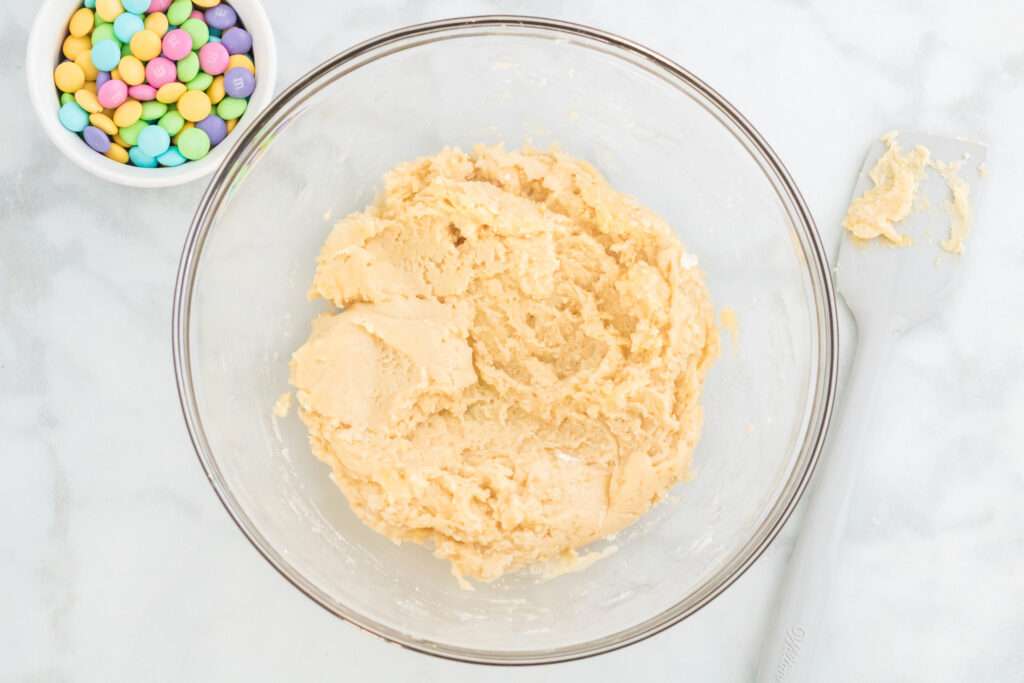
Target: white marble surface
(118, 563)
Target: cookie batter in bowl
(517, 360)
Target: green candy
(172, 122)
(178, 12)
(231, 108)
(200, 82)
(104, 32)
(194, 144)
(199, 31)
(188, 67)
(66, 97)
(97, 19)
(130, 134)
(126, 50)
(153, 110)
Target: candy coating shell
(68, 77)
(127, 114)
(73, 46)
(81, 22)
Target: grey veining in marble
(118, 563)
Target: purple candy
(214, 127)
(236, 40)
(101, 78)
(96, 138)
(238, 82)
(221, 16)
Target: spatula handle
(788, 652)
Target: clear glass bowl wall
(657, 133)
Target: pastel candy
(106, 54)
(159, 5)
(101, 33)
(198, 30)
(112, 94)
(81, 22)
(237, 40)
(172, 122)
(214, 127)
(145, 45)
(108, 10)
(68, 77)
(151, 111)
(179, 11)
(127, 114)
(160, 71)
(87, 101)
(242, 61)
(194, 143)
(135, 6)
(238, 82)
(194, 105)
(127, 25)
(142, 93)
(201, 82)
(96, 138)
(140, 158)
(213, 58)
(221, 17)
(154, 141)
(231, 108)
(177, 44)
(73, 46)
(131, 70)
(157, 23)
(172, 157)
(117, 153)
(188, 67)
(130, 134)
(168, 93)
(73, 117)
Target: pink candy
(112, 93)
(177, 44)
(159, 5)
(196, 14)
(142, 93)
(213, 58)
(160, 71)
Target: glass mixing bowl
(657, 132)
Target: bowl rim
(43, 52)
(825, 366)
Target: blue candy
(172, 157)
(105, 55)
(90, 4)
(135, 6)
(140, 158)
(153, 141)
(73, 117)
(127, 25)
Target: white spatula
(888, 289)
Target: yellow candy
(206, 4)
(170, 92)
(87, 101)
(117, 153)
(157, 23)
(145, 45)
(194, 105)
(102, 121)
(242, 61)
(216, 90)
(89, 86)
(231, 124)
(69, 77)
(84, 60)
(188, 124)
(109, 9)
(115, 74)
(127, 114)
(120, 141)
(130, 70)
(75, 45)
(81, 22)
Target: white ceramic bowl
(44, 53)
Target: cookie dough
(516, 366)
(896, 177)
